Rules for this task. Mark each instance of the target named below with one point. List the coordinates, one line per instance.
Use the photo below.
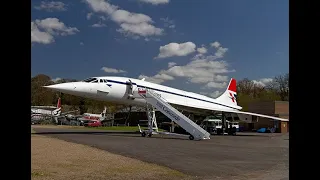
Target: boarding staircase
(195, 131)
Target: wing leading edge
(183, 106)
(256, 114)
(228, 98)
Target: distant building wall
(267, 108)
(271, 108)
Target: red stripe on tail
(59, 103)
(233, 85)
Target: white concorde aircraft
(124, 90)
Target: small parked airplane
(124, 90)
(47, 110)
(100, 116)
(42, 112)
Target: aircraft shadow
(153, 137)
(252, 135)
(117, 134)
(84, 132)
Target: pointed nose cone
(64, 87)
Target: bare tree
(257, 90)
(245, 86)
(280, 85)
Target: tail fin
(104, 112)
(57, 111)
(229, 97)
(59, 103)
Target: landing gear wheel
(150, 134)
(234, 134)
(191, 137)
(143, 134)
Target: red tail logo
(232, 97)
(59, 103)
(233, 85)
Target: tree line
(247, 92)
(277, 90)
(43, 97)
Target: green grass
(32, 131)
(121, 128)
(35, 174)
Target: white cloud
(216, 85)
(171, 64)
(112, 70)
(43, 31)
(263, 82)
(215, 44)
(38, 36)
(168, 23)
(89, 15)
(101, 6)
(56, 79)
(220, 50)
(81, 43)
(202, 50)
(123, 16)
(208, 71)
(175, 49)
(56, 27)
(202, 70)
(155, 2)
(133, 24)
(103, 18)
(51, 6)
(159, 78)
(214, 94)
(97, 25)
(141, 29)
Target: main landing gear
(144, 134)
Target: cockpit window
(90, 80)
(95, 80)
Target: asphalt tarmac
(245, 156)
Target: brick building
(272, 108)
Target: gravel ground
(57, 159)
(246, 156)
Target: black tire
(191, 137)
(234, 129)
(143, 134)
(150, 134)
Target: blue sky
(195, 45)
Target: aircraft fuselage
(117, 89)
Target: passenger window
(101, 80)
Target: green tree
(39, 94)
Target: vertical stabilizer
(57, 111)
(229, 97)
(59, 103)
